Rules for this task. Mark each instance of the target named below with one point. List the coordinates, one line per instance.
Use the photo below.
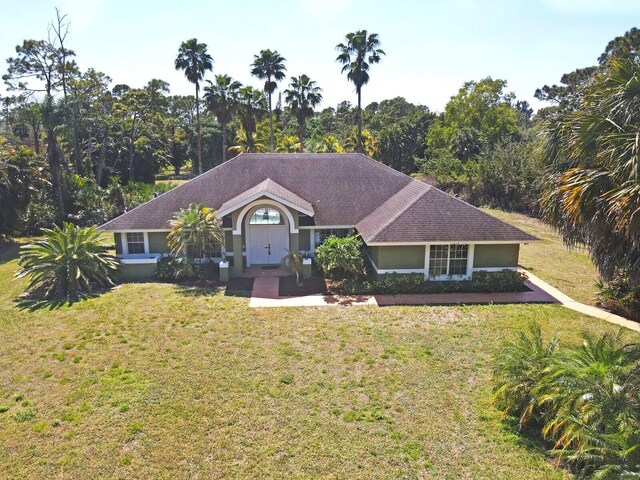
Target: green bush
(584, 399)
(341, 257)
(619, 296)
(396, 284)
(67, 263)
(175, 269)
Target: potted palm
(292, 261)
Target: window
(266, 216)
(211, 250)
(448, 260)
(135, 242)
(322, 234)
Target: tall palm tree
(195, 61)
(251, 103)
(594, 190)
(222, 97)
(269, 66)
(360, 51)
(303, 95)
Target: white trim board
(257, 203)
(271, 196)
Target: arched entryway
(267, 235)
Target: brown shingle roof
(270, 188)
(341, 189)
(420, 213)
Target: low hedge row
(395, 284)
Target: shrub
(396, 284)
(66, 263)
(518, 371)
(340, 257)
(619, 295)
(171, 269)
(584, 398)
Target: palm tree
(269, 66)
(251, 104)
(195, 61)
(368, 143)
(288, 144)
(592, 391)
(292, 261)
(329, 144)
(196, 226)
(247, 143)
(594, 190)
(303, 95)
(356, 55)
(67, 263)
(221, 98)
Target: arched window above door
(266, 216)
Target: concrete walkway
(570, 303)
(266, 294)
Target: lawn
(153, 380)
(569, 270)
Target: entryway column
(238, 258)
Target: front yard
(154, 380)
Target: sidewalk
(570, 303)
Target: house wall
(305, 239)
(135, 272)
(398, 257)
(118, 239)
(495, 256)
(158, 242)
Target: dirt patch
(310, 286)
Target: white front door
(267, 244)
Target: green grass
(569, 270)
(153, 380)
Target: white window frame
(125, 244)
(465, 276)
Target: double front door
(267, 244)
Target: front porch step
(266, 287)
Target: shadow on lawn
(9, 251)
(33, 304)
(528, 437)
(237, 287)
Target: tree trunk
(54, 154)
(359, 140)
(270, 125)
(224, 141)
(198, 128)
(301, 125)
(36, 134)
(101, 159)
(132, 153)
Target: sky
(432, 46)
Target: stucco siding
(228, 240)
(118, 239)
(134, 272)
(398, 257)
(158, 242)
(304, 239)
(492, 256)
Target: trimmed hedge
(395, 284)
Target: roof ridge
(393, 218)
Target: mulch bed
(310, 286)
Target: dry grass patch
(569, 270)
